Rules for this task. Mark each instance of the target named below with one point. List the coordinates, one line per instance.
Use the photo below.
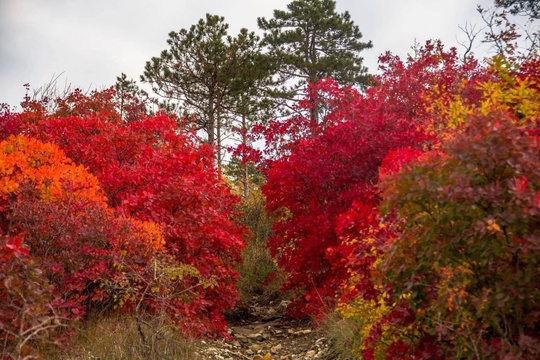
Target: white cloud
(92, 42)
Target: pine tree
(311, 41)
(206, 70)
(133, 102)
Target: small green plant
(258, 270)
(259, 274)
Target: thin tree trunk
(218, 140)
(244, 142)
(313, 78)
(210, 123)
(314, 112)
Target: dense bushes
(450, 151)
(114, 216)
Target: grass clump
(126, 337)
(343, 334)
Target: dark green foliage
(526, 7)
(311, 41)
(133, 102)
(211, 74)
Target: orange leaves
(122, 209)
(146, 236)
(69, 228)
(51, 173)
(173, 202)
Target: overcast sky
(91, 42)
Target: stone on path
(268, 334)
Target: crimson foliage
(151, 172)
(322, 178)
(315, 191)
(27, 310)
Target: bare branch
(470, 31)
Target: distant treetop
(525, 7)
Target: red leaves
(170, 214)
(324, 186)
(153, 173)
(27, 309)
(396, 159)
(14, 243)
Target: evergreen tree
(311, 41)
(192, 71)
(250, 101)
(133, 102)
(207, 71)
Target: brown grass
(344, 335)
(119, 338)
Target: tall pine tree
(311, 41)
(206, 71)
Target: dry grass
(344, 335)
(119, 338)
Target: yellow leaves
(492, 227)
(503, 90)
(350, 241)
(521, 97)
(368, 313)
(457, 112)
(365, 314)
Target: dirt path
(264, 332)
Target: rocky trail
(264, 332)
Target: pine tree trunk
(244, 142)
(314, 112)
(218, 140)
